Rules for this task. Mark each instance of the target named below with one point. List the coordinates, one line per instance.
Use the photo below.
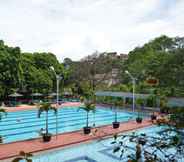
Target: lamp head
(127, 72)
(52, 68)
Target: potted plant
(153, 116)
(87, 106)
(115, 124)
(139, 119)
(23, 156)
(2, 113)
(46, 107)
(163, 105)
(140, 103)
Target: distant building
(123, 56)
(110, 78)
(115, 55)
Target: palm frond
(45, 107)
(17, 159)
(88, 106)
(2, 112)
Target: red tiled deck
(65, 139)
(28, 107)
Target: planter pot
(139, 120)
(46, 137)
(115, 125)
(162, 110)
(87, 130)
(153, 117)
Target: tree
(26, 72)
(117, 101)
(88, 106)
(46, 107)
(161, 58)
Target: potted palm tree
(117, 102)
(140, 103)
(46, 107)
(2, 113)
(154, 103)
(23, 156)
(87, 106)
(163, 104)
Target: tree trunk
(87, 119)
(47, 122)
(115, 114)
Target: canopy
(121, 94)
(53, 94)
(36, 94)
(67, 93)
(15, 95)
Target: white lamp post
(133, 83)
(58, 78)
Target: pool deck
(29, 107)
(66, 139)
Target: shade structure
(36, 94)
(15, 95)
(67, 93)
(53, 94)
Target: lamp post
(133, 84)
(58, 78)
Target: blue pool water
(96, 151)
(24, 125)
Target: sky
(76, 28)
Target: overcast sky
(76, 28)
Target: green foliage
(161, 58)
(46, 107)
(27, 71)
(23, 156)
(177, 116)
(88, 105)
(166, 145)
(2, 113)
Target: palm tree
(140, 103)
(23, 157)
(163, 104)
(88, 106)
(46, 107)
(117, 102)
(2, 113)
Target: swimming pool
(22, 125)
(96, 151)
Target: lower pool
(97, 151)
(22, 125)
